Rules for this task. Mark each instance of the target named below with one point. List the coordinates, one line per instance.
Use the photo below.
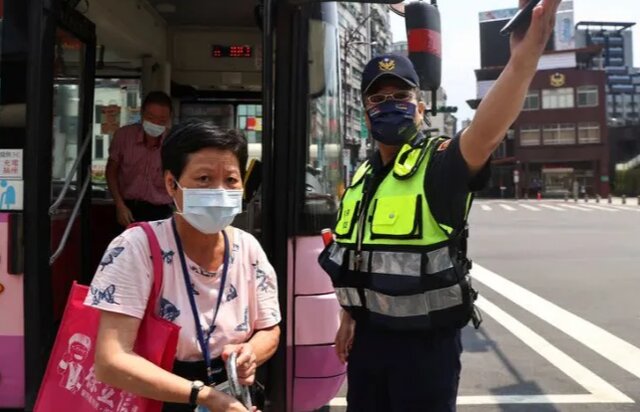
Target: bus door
(57, 156)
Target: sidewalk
(631, 201)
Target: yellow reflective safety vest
(393, 264)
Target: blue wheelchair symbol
(7, 195)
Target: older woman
(232, 307)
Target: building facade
(559, 144)
(561, 135)
(623, 80)
(364, 33)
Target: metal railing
(85, 145)
(72, 218)
(53, 209)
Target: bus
(73, 71)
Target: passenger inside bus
(134, 171)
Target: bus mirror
(424, 42)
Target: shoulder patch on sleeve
(443, 146)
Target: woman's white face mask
(210, 210)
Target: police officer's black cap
(388, 65)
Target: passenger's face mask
(392, 122)
(152, 129)
(210, 210)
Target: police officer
(399, 263)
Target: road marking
(535, 209)
(533, 399)
(507, 207)
(632, 209)
(584, 209)
(486, 208)
(607, 209)
(559, 209)
(611, 347)
(516, 399)
(601, 391)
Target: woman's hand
(217, 401)
(245, 362)
(344, 337)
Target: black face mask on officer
(393, 122)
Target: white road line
(632, 209)
(583, 209)
(556, 208)
(507, 207)
(606, 209)
(532, 399)
(515, 399)
(535, 209)
(611, 347)
(486, 208)
(601, 390)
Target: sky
(461, 39)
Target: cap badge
(386, 65)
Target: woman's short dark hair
(159, 98)
(194, 135)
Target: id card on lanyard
(203, 339)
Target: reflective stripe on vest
(403, 306)
(397, 263)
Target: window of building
(588, 133)
(530, 135)
(532, 101)
(588, 96)
(116, 104)
(561, 98)
(559, 133)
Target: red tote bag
(69, 382)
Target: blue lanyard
(204, 343)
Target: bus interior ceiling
(178, 45)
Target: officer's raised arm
(503, 103)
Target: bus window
(117, 104)
(249, 120)
(323, 174)
(66, 102)
(220, 114)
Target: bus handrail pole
(54, 207)
(72, 218)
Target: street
(559, 288)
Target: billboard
(565, 36)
